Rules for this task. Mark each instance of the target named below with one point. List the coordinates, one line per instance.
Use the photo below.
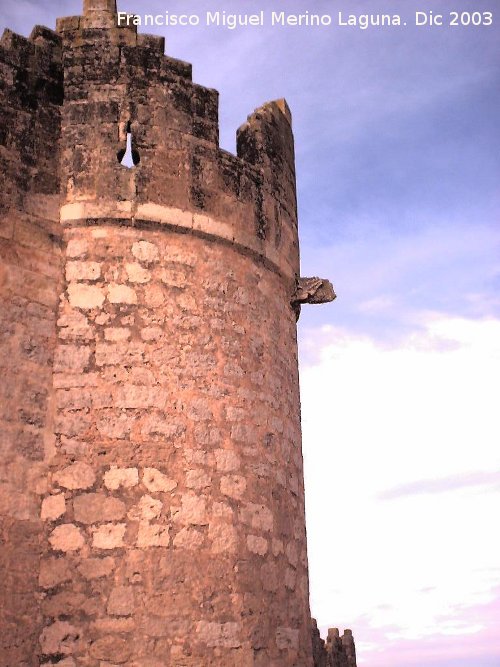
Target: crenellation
(175, 132)
(172, 69)
(45, 37)
(16, 48)
(153, 43)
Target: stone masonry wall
(30, 277)
(176, 511)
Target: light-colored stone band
(242, 239)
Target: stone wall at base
(176, 493)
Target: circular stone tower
(175, 509)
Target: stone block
(76, 476)
(97, 508)
(223, 537)
(257, 545)
(147, 508)
(156, 481)
(145, 252)
(82, 271)
(95, 568)
(109, 536)
(86, 297)
(67, 537)
(126, 478)
(121, 294)
(53, 507)
(121, 601)
(153, 535)
(233, 486)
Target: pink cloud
(444, 484)
(464, 648)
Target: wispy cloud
(386, 281)
(405, 421)
(463, 637)
(444, 485)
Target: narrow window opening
(129, 156)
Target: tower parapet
(118, 80)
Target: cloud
(384, 420)
(467, 637)
(444, 484)
(386, 281)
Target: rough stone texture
(30, 281)
(336, 652)
(151, 493)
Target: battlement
(31, 93)
(118, 80)
(337, 651)
(40, 56)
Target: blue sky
(398, 166)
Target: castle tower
(159, 494)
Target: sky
(398, 164)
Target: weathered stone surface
(53, 507)
(85, 296)
(197, 479)
(97, 508)
(54, 571)
(121, 294)
(112, 648)
(219, 634)
(189, 538)
(121, 477)
(63, 604)
(76, 247)
(59, 638)
(154, 480)
(109, 536)
(223, 538)
(145, 251)
(82, 271)
(121, 601)
(258, 545)
(233, 486)
(76, 476)
(137, 273)
(192, 511)
(227, 460)
(67, 537)
(71, 359)
(94, 568)
(146, 509)
(258, 517)
(115, 334)
(153, 535)
(287, 638)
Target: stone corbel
(311, 290)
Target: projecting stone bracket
(311, 290)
